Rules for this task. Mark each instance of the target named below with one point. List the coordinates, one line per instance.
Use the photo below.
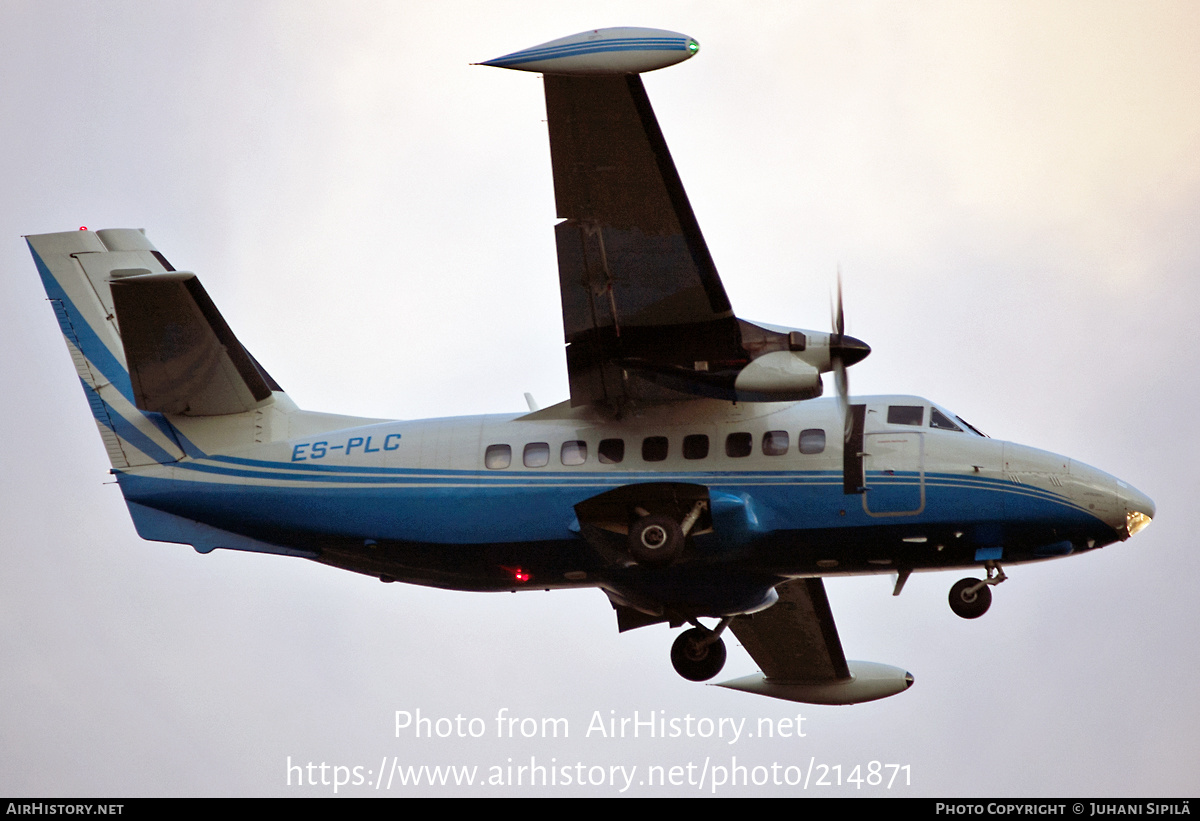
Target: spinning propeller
(844, 351)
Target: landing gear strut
(699, 654)
(971, 598)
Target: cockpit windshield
(944, 420)
(939, 420)
(972, 428)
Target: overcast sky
(1012, 193)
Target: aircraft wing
(642, 301)
(795, 639)
(795, 643)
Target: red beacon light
(518, 574)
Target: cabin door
(894, 464)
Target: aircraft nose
(1139, 508)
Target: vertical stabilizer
(76, 268)
(146, 341)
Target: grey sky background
(1011, 191)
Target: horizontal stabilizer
(182, 356)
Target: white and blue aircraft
(694, 472)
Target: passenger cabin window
(537, 455)
(497, 457)
(573, 453)
(906, 414)
(739, 444)
(695, 446)
(775, 443)
(812, 440)
(654, 448)
(938, 420)
(611, 451)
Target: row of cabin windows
(654, 449)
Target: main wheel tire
(695, 660)
(967, 604)
(655, 540)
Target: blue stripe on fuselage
(459, 509)
(347, 474)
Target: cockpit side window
(938, 420)
(906, 414)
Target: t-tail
(147, 343)
(167, 381)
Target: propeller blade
(842, 380)
(838, 351)
(840, 323)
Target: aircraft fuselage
(484, 503)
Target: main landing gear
(699, 654)
(657, 541)
(971, 598)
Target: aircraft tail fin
(146, 341)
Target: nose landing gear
(971, 598)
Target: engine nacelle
(778, 376)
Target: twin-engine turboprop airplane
(693, 473)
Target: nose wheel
(699, 654)
(971, 598)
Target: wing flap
(640, 292)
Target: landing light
(1135, 521)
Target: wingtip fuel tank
(603, 51)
